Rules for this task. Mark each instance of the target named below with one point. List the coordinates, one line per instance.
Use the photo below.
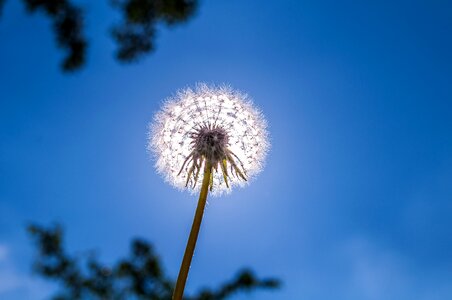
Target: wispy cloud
(363, 268)
(376, 272)
(15, 284)
(3, 253)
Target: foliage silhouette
(1, 6)
(139, 276)
(68, 26)
(134, 35)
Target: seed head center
(211, 143)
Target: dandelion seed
(215, 124)
(214, 129)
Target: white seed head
(209, 123)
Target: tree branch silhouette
(134, 35)
(138, 276)
(67, 22)
(1, 6)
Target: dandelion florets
(209, 124)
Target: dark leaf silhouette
(138, 276)
(67, 22)
(1, 6)
(134, 35)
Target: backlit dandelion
(209, 128)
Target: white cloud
(361, 268)
(3, 252)
(8, 278)
(12, 280)
(376, 272)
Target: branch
(138, 276)
(136, 33)
(245, 281)
(68, 27)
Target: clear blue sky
(355, 202)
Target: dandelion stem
(188, 255)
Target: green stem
(188, 255)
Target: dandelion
(213, 129)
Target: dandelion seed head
(209, 123)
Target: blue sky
(355, 201)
